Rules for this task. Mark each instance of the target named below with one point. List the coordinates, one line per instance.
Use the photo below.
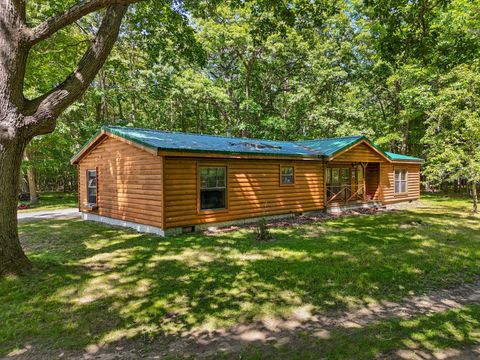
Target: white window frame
(400, 178)
(89, 171)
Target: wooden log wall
(387, 182)
(130, 182)
(253, 189)
(359, 153)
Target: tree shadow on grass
(451, 335)
(97, 285)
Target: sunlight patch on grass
(189, 257)
(95, 284)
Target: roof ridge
(231, 137)
(196, 134)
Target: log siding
(387, 182)
(253, 189)
(359, 153)
(130, 182)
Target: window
(400, 181)
(329, 176)
(92, 186)
(213, 188)
(287, 175)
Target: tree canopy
(402, 73)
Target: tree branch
(79, 10)
(46, 108)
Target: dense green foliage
(96, 284)
(280, 70)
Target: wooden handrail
(343, 188)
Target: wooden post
(364, 169)
(325, 194)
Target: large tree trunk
(12, 139)
(12, 257)
(21, 119)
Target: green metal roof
(177, 141)
(330, 146)
(188, 142)
(401, 157)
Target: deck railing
(344, 193)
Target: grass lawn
(95, 284)
(53, 201)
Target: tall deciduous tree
(20, 118)
(453, 133)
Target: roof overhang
(102, 134)
(410, 162)
(98, 138)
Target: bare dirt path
(276, 331)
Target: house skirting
(128, 224)
(186, 229)
(216, 225)
(338, 208)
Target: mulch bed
(295, 220)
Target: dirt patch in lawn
(271, 333)
(297, 220)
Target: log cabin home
(170, 182)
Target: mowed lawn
(96, 285)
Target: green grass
(454, 329)
(53, 201)
(95, 284)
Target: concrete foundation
(116, 222)
(186, 229)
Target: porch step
(338, 208)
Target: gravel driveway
(48, 214)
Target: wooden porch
(353, 183)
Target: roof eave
(99, 134)
(408, 161)
(104, 132)
(236, 153)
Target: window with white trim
(400, 181)
(213, 187)
(92, 187)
